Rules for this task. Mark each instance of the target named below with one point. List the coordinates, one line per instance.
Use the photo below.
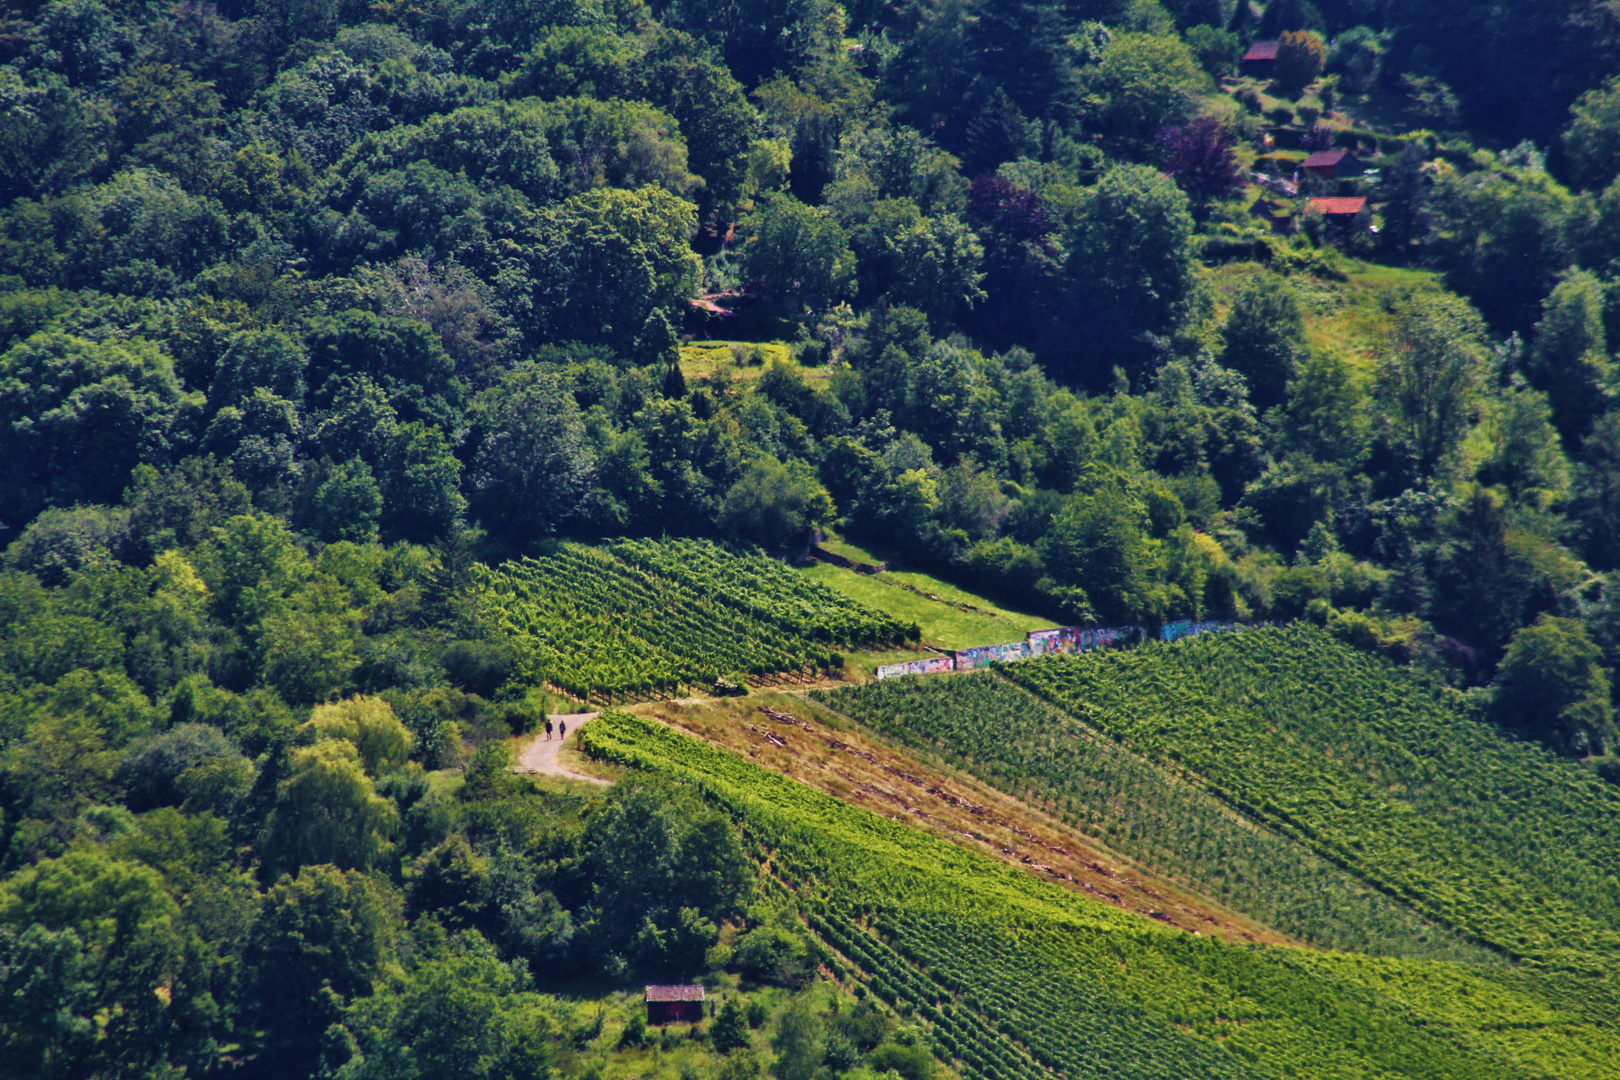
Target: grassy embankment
(949, 617)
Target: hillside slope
(1395, 780)
(1002, 734)
(814, 746)
(1017, 976)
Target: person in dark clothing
(548, 729)
(562, 729)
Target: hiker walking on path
(548, 729)
(562, 729)
(541, 756)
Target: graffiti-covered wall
(1070, 639)
(931, 666)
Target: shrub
(1550, 687)
(770, 955)
(728, 1031)
(152, 774)
(910, 1062)
(477, 667)
(1300, 56)
(635, 1032)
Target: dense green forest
(319, 317)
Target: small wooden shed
(1260, 61)
(1333, 164)
(681, 1003)
(1344, 216)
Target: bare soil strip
(814, 746)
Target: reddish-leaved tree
(1201, 156)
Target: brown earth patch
(809, 744)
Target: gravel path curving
(540, 756)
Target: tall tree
(1201, 156)
(1130, 266)
(1429, 380)
(532, 464)
(1265, 338)
(1569, 359)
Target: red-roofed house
(1261, 60)
(681, 1003)
(1341, 209)
(1333, 164)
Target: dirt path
(541, 755)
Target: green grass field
(702, 359)
(945, 622)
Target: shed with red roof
(1339, 209)
(1261, 60)
(681, 1003)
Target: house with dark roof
(1261, 60)
(1333, 165)
(681, 1003)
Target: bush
(910, 1062)
(635, 1032)
(587, 1033)
(767, 954)
(728, 1031)
(527, 714)
(838, 1053)
(152, 775)
(1550, 687)
(477, 667)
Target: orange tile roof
(1336, 207)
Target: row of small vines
(1024, 746)
(1020, 979)
(654, 618)
(1400, 782)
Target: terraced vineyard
(1024, 746)
(649, 617)
(1396, 781)
(1020, 979)
(764, 588)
